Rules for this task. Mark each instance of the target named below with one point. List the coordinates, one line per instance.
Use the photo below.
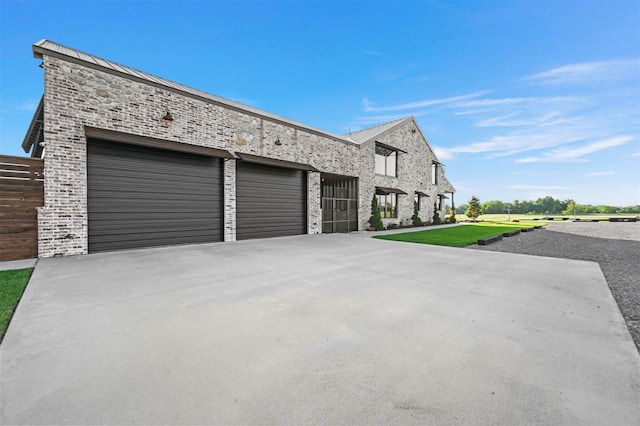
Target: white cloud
(494, 102)
(29, 105)
(442, 153)
(471, 111)
(528, 187)
(587, 72)
(636, 154)
(599, 174)
(528, 140)
(534, 100)
(368, 106)
(576, 154)
(549, 119)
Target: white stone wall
(229, 200)
(314, 209)
(413, 173)
(77, 96)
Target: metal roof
(388, 148)
(366, 135)
(48, 47)
(382, 190)
(34, 137)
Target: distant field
(530, 217)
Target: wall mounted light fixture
(277, 142)
(167, 117)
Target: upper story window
(386, 160)
(434, 172)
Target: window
(386, 161)
(388, 205)
(434, 173)
(416, 202)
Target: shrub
(436, 218)
(436, 215)
(375, 221)
(415, 219)
(452, 218)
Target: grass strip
(12, 285)
(456, 236)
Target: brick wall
(77, 96)
(229, 200)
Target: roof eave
(386, 131)
(40, 49)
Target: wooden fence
(21, 191)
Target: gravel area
(615, 246)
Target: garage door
(144, 197)
(270, 201)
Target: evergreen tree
(436, 215)
(375, 221)
(475, 209)
(415, 219)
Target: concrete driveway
(318, 329)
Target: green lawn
(456, 236)
(12, 285)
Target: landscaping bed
(456, 236)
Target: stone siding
(314, 209)
(77, 95)
(229, 200)
(413, 173)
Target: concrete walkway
(17, 264)
(324, 329)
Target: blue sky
(519, 99)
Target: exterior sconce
(277, 142)
(167, 119)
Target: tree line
(546, 205)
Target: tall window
(434, 173)
(386, 161)
(388, 205)
(416, 201)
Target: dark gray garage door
(143, 197)
(270, 201)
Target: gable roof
(362, 136)
(51, 48)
